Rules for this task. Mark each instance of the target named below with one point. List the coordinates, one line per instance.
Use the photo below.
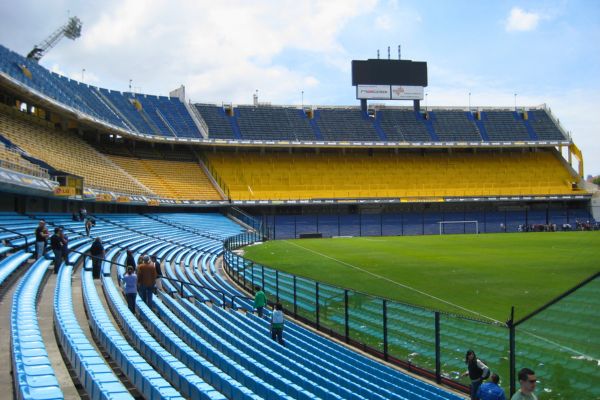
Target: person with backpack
(56, 243)
(277, 324)
(477, 372)
(130, 289)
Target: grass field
(474, 275)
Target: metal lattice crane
(70, 30)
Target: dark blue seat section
(273, 123)
(171, 114)
(146, 380)
(186, 381)
(163, 116)
(454, 126)
(11, 263)
(403, 126)
(33, 375)
(419, 223)
(504, 125)
(97, 378)
(218, 123)
(544, 126)
(346, 124)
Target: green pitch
(474, 275)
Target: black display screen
(389, 72)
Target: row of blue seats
(97, 379)
(33, 375)
(11, 263)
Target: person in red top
(146, 277)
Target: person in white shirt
(277, 324)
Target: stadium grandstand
(195, 183)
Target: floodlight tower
(70, 30)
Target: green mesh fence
(411, 334)
(562, 345)
(332, 313)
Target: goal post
(443, 223)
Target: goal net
(458, 227)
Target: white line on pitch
(588, 357)
(394, 282)
(437, 298)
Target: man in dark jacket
(56, 243)
(97, 252)
(146, 274)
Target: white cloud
(383, 22)
(218, 49)
(521, 20)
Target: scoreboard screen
(389, 72)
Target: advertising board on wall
(407, 92)
(389, 92)
(373, 92)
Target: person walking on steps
(277, 321)
(260, 301)
(56, 243)
(130, 289)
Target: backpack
(486, 374)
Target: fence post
(262, 275)
(317, 303)
(295, 304)
(244, 273)
(277, 285)
(512, 355)
(438, 363)
(346, 322)
(181, 288)
(385, 330)
(252, 274)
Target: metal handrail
(18, 234)
(181, 283)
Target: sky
(299, 51)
